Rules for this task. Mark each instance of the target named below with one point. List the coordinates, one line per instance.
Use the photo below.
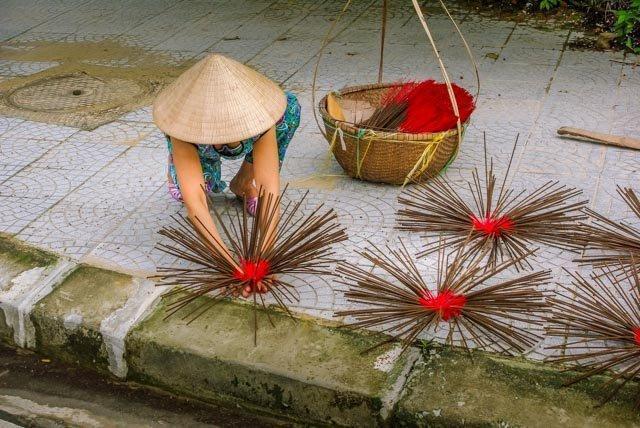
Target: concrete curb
(26, 290)
(449, 389)
(116, 326)
(300, 369)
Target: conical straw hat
(218, 101)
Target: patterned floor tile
(120, 133)
(11, 68)
(79, 157)
(40, 131)
(98, 206)
(6, 123)
(17, 213)
(141, 115)
(22, 151)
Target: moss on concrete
(298, 368)
(16, 258)
(451, 390)
(6, 332)
(67, 321)
(23, 255)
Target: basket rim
(400, 136)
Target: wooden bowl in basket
(382, 156)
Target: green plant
(549, 4)
(628, 25)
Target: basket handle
(472, 58)
(325, 43)
(383, 32)
(443, 69)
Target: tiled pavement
(100, 196)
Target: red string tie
(252, 271)
(493, 226)
(446, 303)
(636, 335)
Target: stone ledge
(84, 320)
(300, 369)
(26, 276)
(448, 389)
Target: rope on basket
(425, 159)
(419, 167)
(360, 162)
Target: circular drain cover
(74, 92)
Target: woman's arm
(191, 182)
(266, 172)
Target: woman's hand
(261, 287)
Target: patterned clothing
(210, 156)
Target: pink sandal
(251, 203)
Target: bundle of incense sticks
(266, 249)
(468, 299)
(613, 244)
(393, 108)
(600, 319)
(497, 219)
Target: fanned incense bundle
(600, 319)
(296, 245)
(420, 107)
(619, 243)
(468, 298)
(498, 220)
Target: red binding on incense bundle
(447, 303)
(491, 225)
(296, 244)
(478, 309)
(252, 272)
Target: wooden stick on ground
(597, 137)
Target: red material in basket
(429, 107)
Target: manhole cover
(79, 99)
(74, 92)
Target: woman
(217, 109)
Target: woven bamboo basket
(389, 156)
(386, 157)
